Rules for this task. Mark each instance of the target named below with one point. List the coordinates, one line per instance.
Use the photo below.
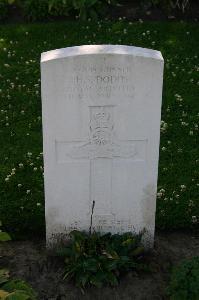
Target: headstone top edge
(100, 49)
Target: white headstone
(101, 125)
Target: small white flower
(20, 165)
(28, 192)
(35, 169)
(194, 219)
(19, 185)
(183, 187)
(191, 203)
(163, 126)
(184, 124)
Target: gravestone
(101, 107)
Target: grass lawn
(21, 161)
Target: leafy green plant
(91, 8)
(82, 8)
(35, 9)
(13, 289)
(95, 259)
(4, 236)
(59, 7)
(39, 10)
(3, 9)
(184, 283)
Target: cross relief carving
(100, 149)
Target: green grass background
(21, 161)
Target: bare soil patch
(29, 260)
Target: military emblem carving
(102, 141)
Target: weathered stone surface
(101, 123)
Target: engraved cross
(100, 150)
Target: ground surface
(21, 160)
(28, 260)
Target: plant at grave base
(13, 289)
(95, 259)
(184, 284)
